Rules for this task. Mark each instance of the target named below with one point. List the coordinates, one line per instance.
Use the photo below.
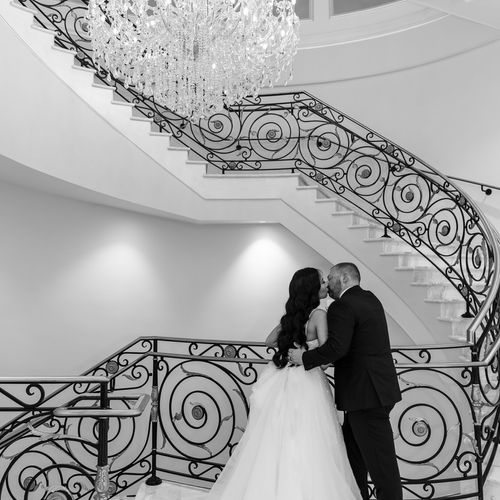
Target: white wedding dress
(292, 449)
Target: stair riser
(443, 292)
(451, 310)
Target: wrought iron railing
(28, 463)
(444, 427)
(298, 132)
(55, 436)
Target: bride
(292, 448)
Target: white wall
(80, 280)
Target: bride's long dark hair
(303, 298)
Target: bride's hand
(295, 355)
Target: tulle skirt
(292, 448)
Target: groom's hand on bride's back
(295, 355)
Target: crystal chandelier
(194, 56)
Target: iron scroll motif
(37, 450)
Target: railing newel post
(154, 480)
(477, 406)
(102, 473)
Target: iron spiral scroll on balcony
(408, 198)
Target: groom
(366, 385)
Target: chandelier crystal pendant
(195, 56)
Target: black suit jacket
(358, 345)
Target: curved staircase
(161, 178)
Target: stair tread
(123, 103)
(459, 340)
(451, 320)
(364, 226)
(379, 239)
(104, 86)
(83, 68)
(64, 50)
(42, 29)
(141, 119)
(274, 175)
(408, 252)
(415, 268)
(456, 300)
(195, 162)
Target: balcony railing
(445, 426)
(41, 455)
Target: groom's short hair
(350, 269)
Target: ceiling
(305, 8)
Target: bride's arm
(319, 318)
(272, 338)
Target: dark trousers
(370, 449)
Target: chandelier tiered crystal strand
(194, 56)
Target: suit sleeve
(341, 322)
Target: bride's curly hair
(303, 298)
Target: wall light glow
(263, 269)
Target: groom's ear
(297, 346)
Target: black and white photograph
(250, 250)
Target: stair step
(459, 339)
(342, 212)
(99, 85)
(403, 251)
(43, 30)
(365, 225)
(122, 103)
(83, 68)
(458, 326)
(195, 162)
(64, 50)
(327, 200)
(141, 119)
(445, 301)
(243, 176)
(381, 239)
